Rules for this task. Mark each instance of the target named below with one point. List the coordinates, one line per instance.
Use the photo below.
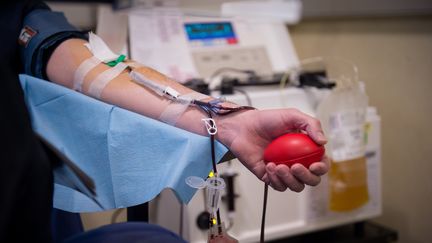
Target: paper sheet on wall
(112, 28)
(157, 39)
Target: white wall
(394, 57)
(80, 15)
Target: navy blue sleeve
(42, 31)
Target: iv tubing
(264, 213)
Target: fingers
(312, 126)
(280, 178)
(320, 168)
(273, 179)
(306, 176)
(259, 169)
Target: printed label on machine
(185, 47)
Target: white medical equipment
(185, 47)
(288, 213)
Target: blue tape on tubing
(49, 29)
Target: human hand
(248, 133)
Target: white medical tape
(173, 112)
(100, 49)
(82, 71)
(97, 86)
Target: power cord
(246, 95)
(215, 74)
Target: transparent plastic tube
(218, 234)
(215, 185)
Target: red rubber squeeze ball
(293, 148)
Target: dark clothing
(25, 172)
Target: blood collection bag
(342, 114)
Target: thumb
(309, 124)
(317, 135)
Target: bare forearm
(121, 91)
(245, 133)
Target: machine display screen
(211, 33)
